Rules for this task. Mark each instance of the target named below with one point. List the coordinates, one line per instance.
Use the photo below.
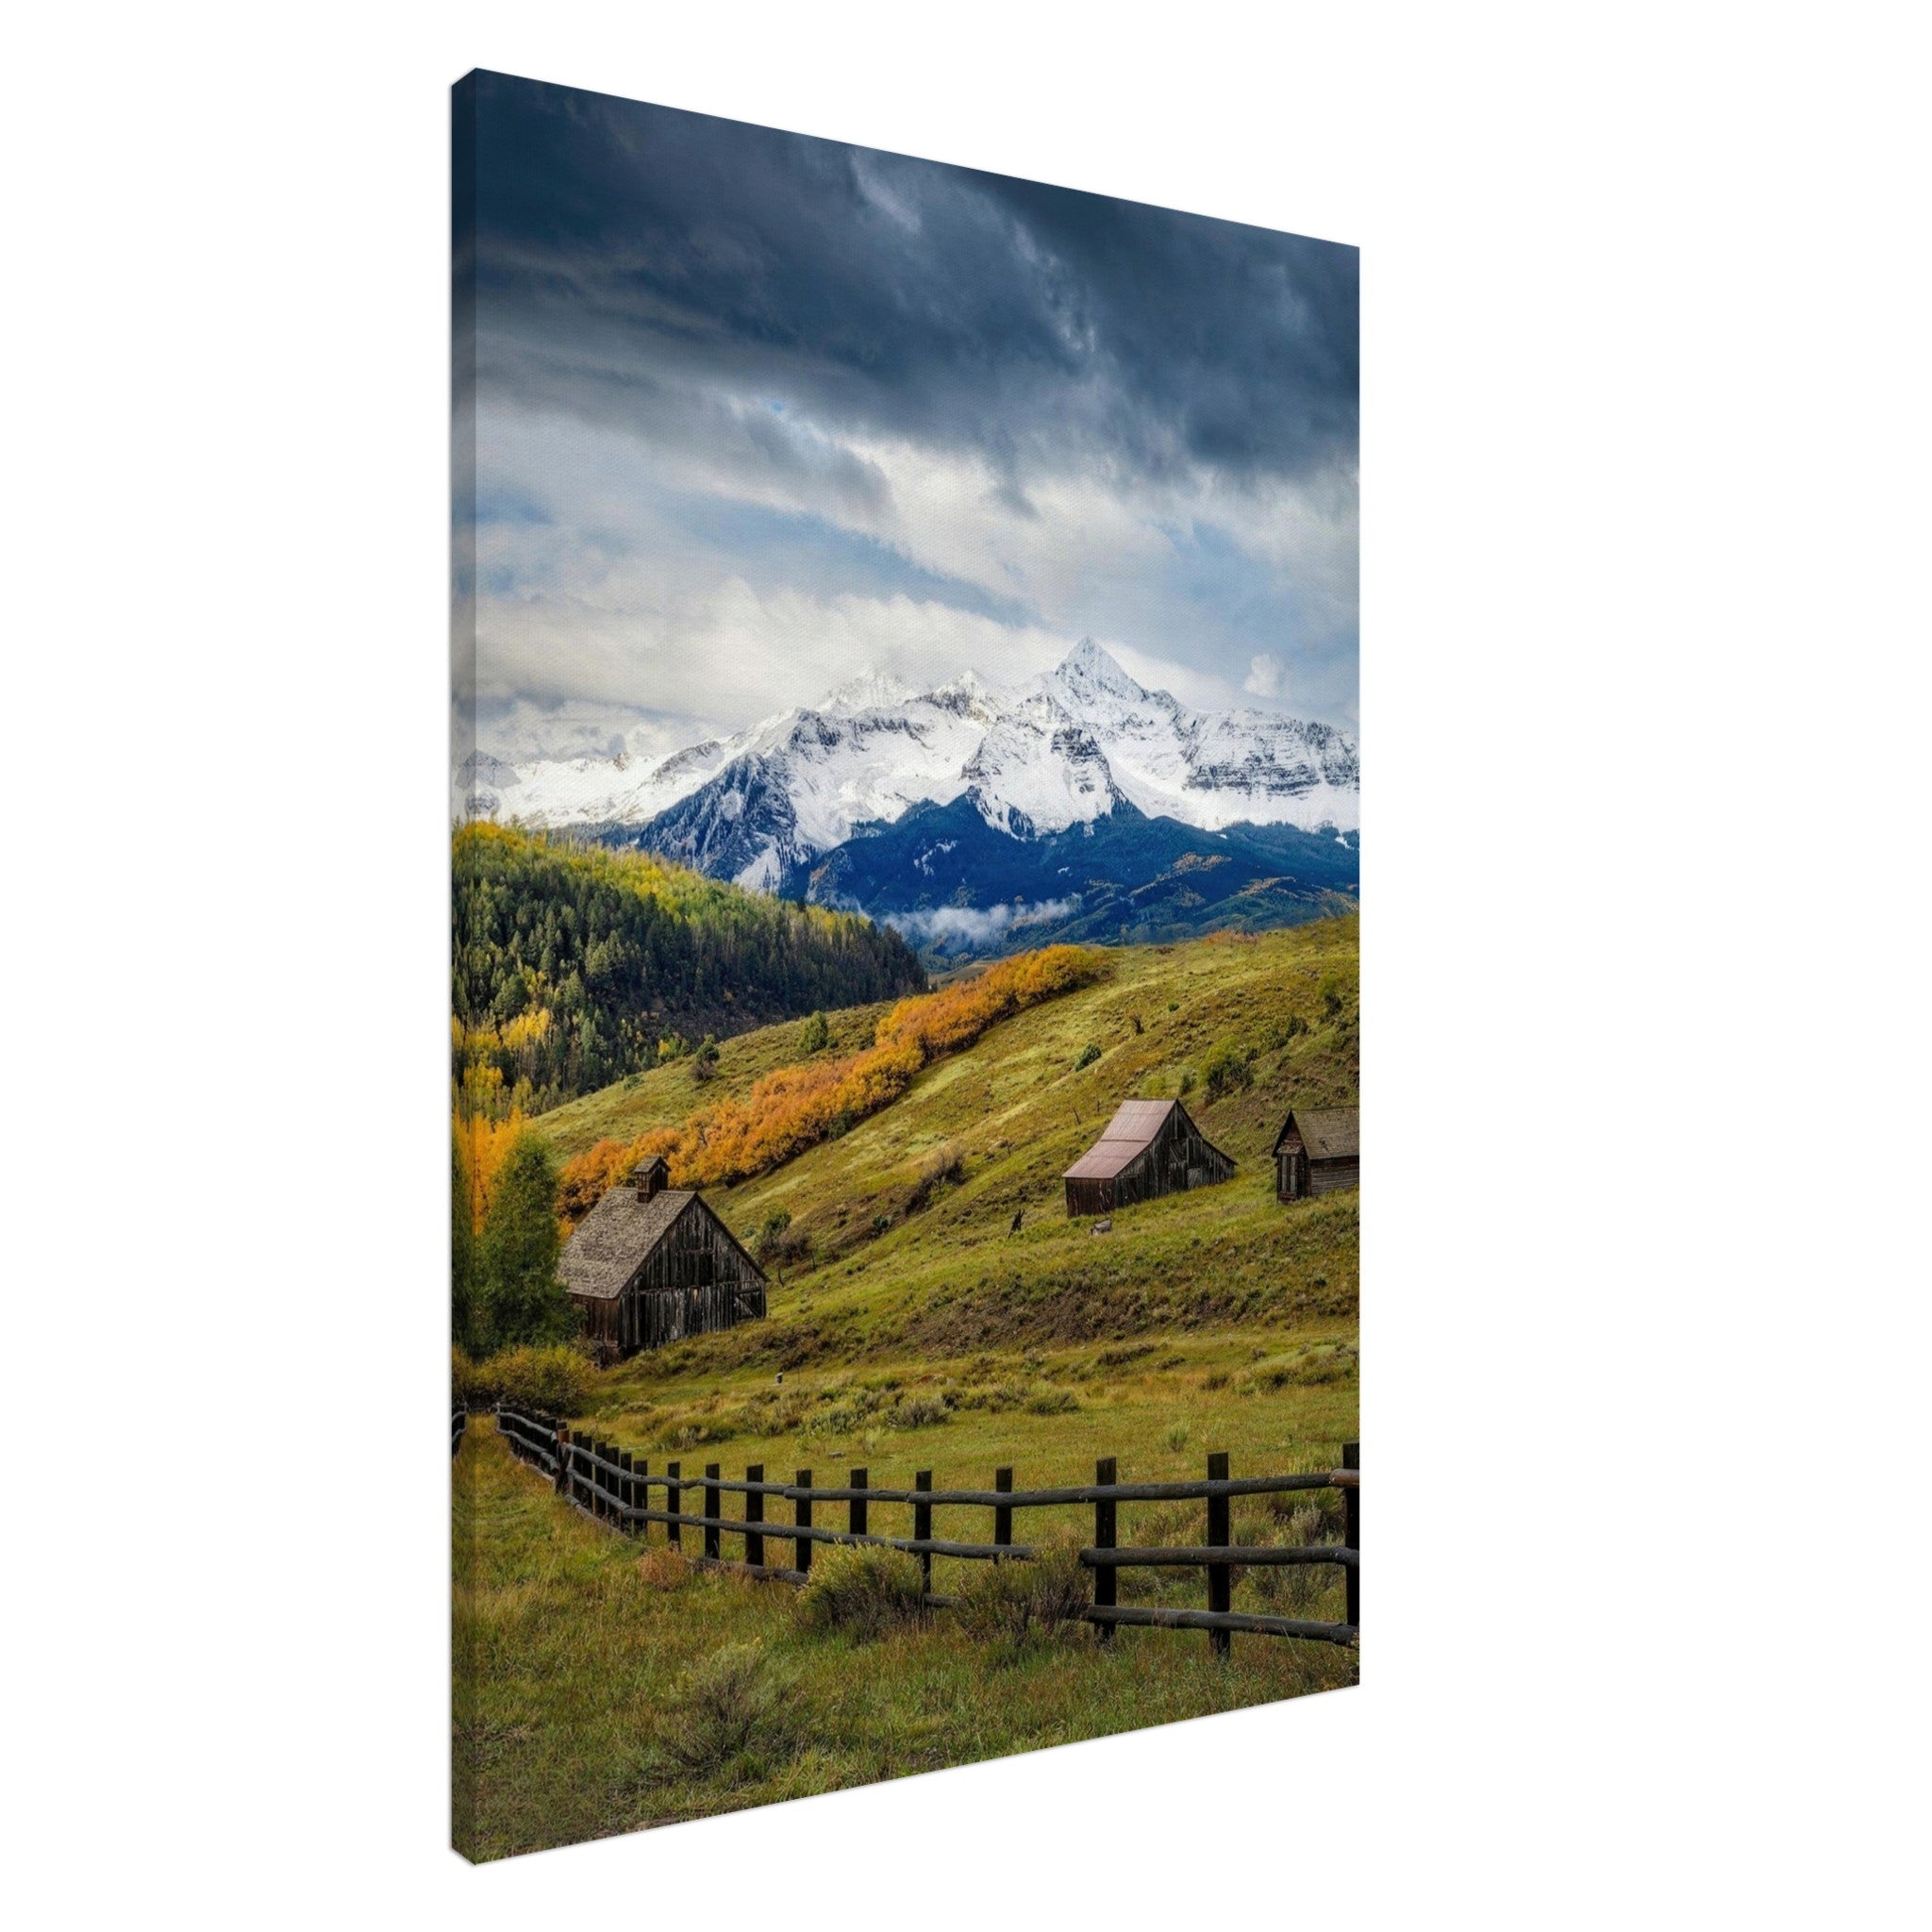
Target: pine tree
(518, 1248)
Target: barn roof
(1329, 1133)
(1127, 1135)
(619, 1232)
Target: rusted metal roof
(1127, 1135)
(1329, 1133)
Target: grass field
(588, 1700)
(912, 1328)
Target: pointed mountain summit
(1081, 746)
(1088, 675)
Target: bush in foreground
(728, 1718)
(867, 1591)
(558, 1378)
(1015, 1604)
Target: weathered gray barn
(1150, 1147)
(1318, 1150)
(652, 1264)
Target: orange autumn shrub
(586, 1179)
(795, 1108)
(942, 1022)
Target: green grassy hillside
(911, 1328)
(900, 1247)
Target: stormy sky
(756, 411)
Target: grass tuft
(1017, 1605)
(730, 1719)
(866, 1592)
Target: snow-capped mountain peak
(765, 807)
(873, 690)
(1089, 677)
(971, 696)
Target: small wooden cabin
(651, 1263)
(1149, 1148)
(1318, 1150)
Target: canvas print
(905, 830)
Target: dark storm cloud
(744, 396)
(1042, 327)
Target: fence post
(754, 1512)
(625, 1495)
(922, 1528)
(1220, 1593)
(600, 1477)
(861, 1479)
(1105, 1579)
(562, 1457)
(712, 1533)
(1002, 1516)
(801, 1515)
(1352, 1530)
(673, 1501)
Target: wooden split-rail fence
(611, 1486)
(458, 1422)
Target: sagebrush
(865, 1592)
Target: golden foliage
(486, 1059)
(483, 1143)
(794, 1108)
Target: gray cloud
(727, 370)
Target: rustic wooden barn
(1150, 1147)
(651, 1263)
(1318, 1150)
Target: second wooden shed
(1318, 1150)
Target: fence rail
(612, 1486)
(458, 1422)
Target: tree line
(573, 965)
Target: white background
(1644, 435)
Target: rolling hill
(914, 1330)
(897, 1240)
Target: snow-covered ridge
(588, 791)
(1065, 751)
